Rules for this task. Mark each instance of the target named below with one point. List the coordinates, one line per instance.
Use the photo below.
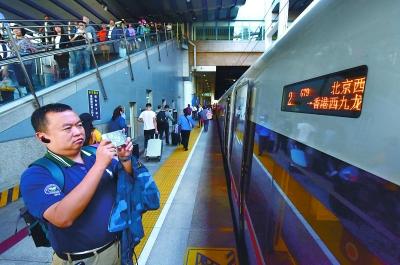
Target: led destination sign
(337, 94)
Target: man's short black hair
(148, 105)
(38, 118)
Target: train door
(226, 124)
(240, 146)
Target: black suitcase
(176, 138)
(135, 150)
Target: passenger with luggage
(77, 211)
(148, 117)
(186, 123)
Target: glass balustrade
(229, 30)
(33, 57)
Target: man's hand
(105, 153)
(126, 149)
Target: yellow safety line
(3, 198)
(15, 193)
(165, 178)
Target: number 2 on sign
(291, 99)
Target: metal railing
(34, 57)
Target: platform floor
(193, 224)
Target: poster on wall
(94, 103)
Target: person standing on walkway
(77, 215)
(186, 123)
(148, 117)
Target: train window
(336, 94)
(293, 201)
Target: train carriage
(310, 138)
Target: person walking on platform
(170, 121)
(186, 123)
(77, 214)
(206, 116)
(118, 121)
(188, 109)
(148, 117)
(199, 110)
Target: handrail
(41, 54)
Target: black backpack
(38, 229)
(161, 117)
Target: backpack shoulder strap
(89, 150)
(53, 168)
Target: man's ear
(42, 137)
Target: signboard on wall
(336, 94)
(94, 103)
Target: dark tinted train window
(238, 133)
(303, 201)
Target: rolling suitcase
(175, 138)
(154, 149)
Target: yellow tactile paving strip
(165, 178)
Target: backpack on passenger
(38, 229)
(161, 117)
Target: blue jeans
(206, 124)
(72, 64)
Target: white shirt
(5, 50)
(109, 32)
(148, 116)
(57, 41)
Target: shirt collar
(58, 159)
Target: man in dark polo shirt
(78, 213)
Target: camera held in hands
(117, 138)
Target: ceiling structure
(158, 10)
(102, 10)
(177, 10)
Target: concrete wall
(228, 53)
(18, 148)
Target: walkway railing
(36, 57)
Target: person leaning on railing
(24, 47)
(102, 36)
(80, 59)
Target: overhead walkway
(194, 223)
